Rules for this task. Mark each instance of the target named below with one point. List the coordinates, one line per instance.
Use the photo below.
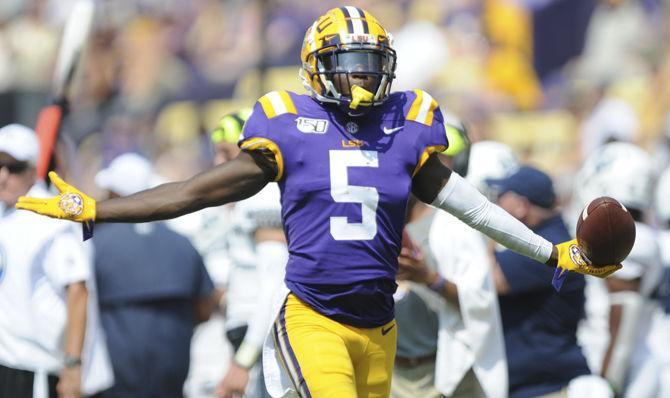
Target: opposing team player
(257, 250)
(346, 158)
(625, 171)
(660, 328)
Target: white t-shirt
(39, 257)
(644, 263)
(470, 337)
(206, 229)
(262, 209)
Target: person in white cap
(49, 342)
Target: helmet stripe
(312, 38)
(347, 17)
(364, 20)
(355, 17)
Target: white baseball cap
(20, 142)
(127, 174)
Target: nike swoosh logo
(385, 331)
(388, 131)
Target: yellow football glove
(71, 204)
(572, 258)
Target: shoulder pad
(277, 103)
(422, 108)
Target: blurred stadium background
(552, 78)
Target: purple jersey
(345, 183)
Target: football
(606, 231)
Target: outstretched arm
(235, 180)
(437, 185)
(238, 179)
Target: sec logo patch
(352, 127)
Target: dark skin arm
(430, 180)
(616, 311)
(235, 180)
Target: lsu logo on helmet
(342, 47)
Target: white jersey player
(45, 276)
(624, 171)
(660, 329)
(247, 240)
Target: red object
(48, 125)
(606, 231)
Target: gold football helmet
(347, 60)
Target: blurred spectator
(50, 341)
(624, 171)
(423, 58)
(153, 290)
(450, 339)
(611, 120)
(539, 324)
(618, 39)
(661, 151)
(510, 65)
(553, 45)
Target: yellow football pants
(326, 358)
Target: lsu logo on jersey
(311, 126)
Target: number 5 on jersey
(342, 192)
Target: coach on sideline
(47, 305)
(539, 324)
(154, 289)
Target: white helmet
(663, 197)
(620, 170)
(490, 160)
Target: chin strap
(360, 96)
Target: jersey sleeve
(424, 111)
(258, 134)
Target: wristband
(438, 285)
(70, 362)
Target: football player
(660, 329)
(625, 171)
(257, 251)
(346, 158)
